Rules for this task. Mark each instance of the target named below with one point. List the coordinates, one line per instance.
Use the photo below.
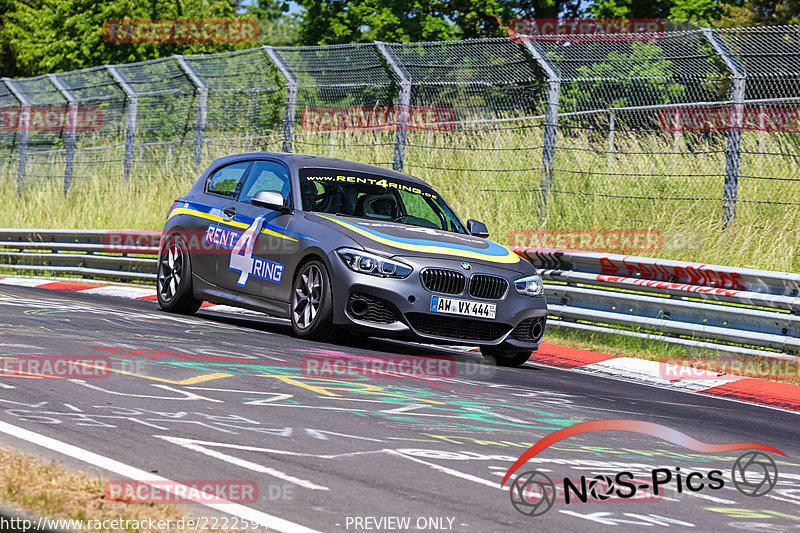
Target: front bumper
(389, 307)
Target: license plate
(462, 307)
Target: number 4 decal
(242, 261)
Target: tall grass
(644, 181)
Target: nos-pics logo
(533, 493)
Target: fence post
(738, 73)
(612, 124)
(403, 104)
(291, 95)
(72, 101)
(24, 124)
(202, 107)
(550, 119)
(130, 126)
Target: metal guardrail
(725, 308)
(126, 255)
(730, 309)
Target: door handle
(229, 212)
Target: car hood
(393, 238)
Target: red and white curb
(785, 396)
(117, 291)
(772, 394)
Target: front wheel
(174, 282)
(506, 355)
(312, 303)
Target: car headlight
(373, 264)
(530, 286)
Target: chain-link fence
(559, 132)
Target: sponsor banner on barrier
(181, 31)
(55, 367)
(549, 29)
(194, 491)
(377, 118)
(622, 241)
(50, 119)
(616, 269)
(725, 119)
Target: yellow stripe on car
(233, 223)
(431, 249)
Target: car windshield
(375, 197)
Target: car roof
(298, 161)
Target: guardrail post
(739, 78)
(72, 102)
(291, 95)
(202, 108)
(130, 126)
(550, 119)
(24, 124)
(403, 104)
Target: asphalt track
(227, 397)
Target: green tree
(344, 21)
(61, 35)
(760, 12)
(276, 26)
(702, 12)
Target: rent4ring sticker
(241, 246)
(462, 307)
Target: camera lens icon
(754, 474)
(532, 493)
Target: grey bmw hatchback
(337, 245)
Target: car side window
(267, 176)
(228, 180)
(425, 215)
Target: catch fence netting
(626, 130)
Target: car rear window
(227, 181)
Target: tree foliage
(40, 36)
(59, 35)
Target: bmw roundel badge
(465, 266)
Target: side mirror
(271, 200)
(478, 229)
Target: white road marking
(120, 292)
(194, 446)
(233, 509)
(186, 395)
(22, 282)
(652, 372)
(202, 447)
(452, 472)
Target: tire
(311, 309)
(174, 280)
(503, 355)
